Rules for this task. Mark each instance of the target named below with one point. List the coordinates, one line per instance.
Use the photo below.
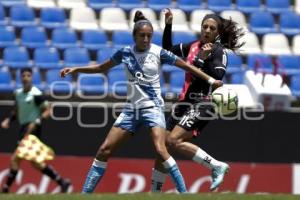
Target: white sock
(170, 162)
(101, 164)
(158, 179)
(203, 158)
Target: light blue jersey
(142, 71)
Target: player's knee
(172, 142)
(104, 151)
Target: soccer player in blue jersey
(142, 62)
(30, 109)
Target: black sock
(10, 178)
(49, 171)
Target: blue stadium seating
(189, 5)
(95, 84)
(3, 21)
(5, 82)
(63, 38)
(117, 82)
(7, 36)
(183, 37)
(289, 64)
(260, 62)
(127, 5)
(219, 5)
(234, 63)
(277, 6)
(16, 57)
(22, 16)
(262, 22)
(34, 37)
(104, 54)
(53, 18)
(170, 68)
(247, 6)
(36, 79)
(94, 39)
(237, 78)
(157, 38)
(9, 3)
(176, 81)
(76, 57)
(99, 4)
(159, 5)
(163, 87)
(289, 23)
(47, 58)
(295, 85)
(122, 38)
(57, 84)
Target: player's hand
(217, 84)
(5, 123)
(205, 51)
(66, 71)
(168, 16)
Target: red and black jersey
(214, 65)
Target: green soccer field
(151, 197)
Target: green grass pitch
(145, 196)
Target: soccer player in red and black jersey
(191, 113)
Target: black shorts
(190, 117)
(23, 130)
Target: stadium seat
(63, 38)
(289, 23)
(128, 5)
(260, 63)
(189, 5)
(53, 18)
(69, 4)
(236, 16)
(7, 36)
(262, 22)
(6, 85)
(295, 85)
(148, 13)
(83, 19)
(163, 87)
(113, 19)
(159, 5)
(277, 6)
(179, 23)
(3, 20)
(289, 64)
(117, 82)
(170, 68)
(297, 6)
(76, 57)
(16, 57)
(237, 78)
(41, 3)
(183, 37)
(176, 81)
(100, 4)
(9, 3)
(279, 47)
(94, 39)
(251, 45)
(47, 58)
(219, 5)
(104, 54)
(92, 84)
(196, 19)
(234, 64)
(22, 16)
(157, 38)
(36, 79)
(57, 85)
(33, 37)
(296, 44)
(122, 38)
(247, 6)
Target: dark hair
(26, 69)
(140, 20)
(229, 32)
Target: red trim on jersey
(194, 49)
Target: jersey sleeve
(117, 57)
(167, 57)
(219, 63)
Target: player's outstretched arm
(90, 69)
(198, 72)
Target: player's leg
(115, 137)
(13, 171)
(49, 171)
